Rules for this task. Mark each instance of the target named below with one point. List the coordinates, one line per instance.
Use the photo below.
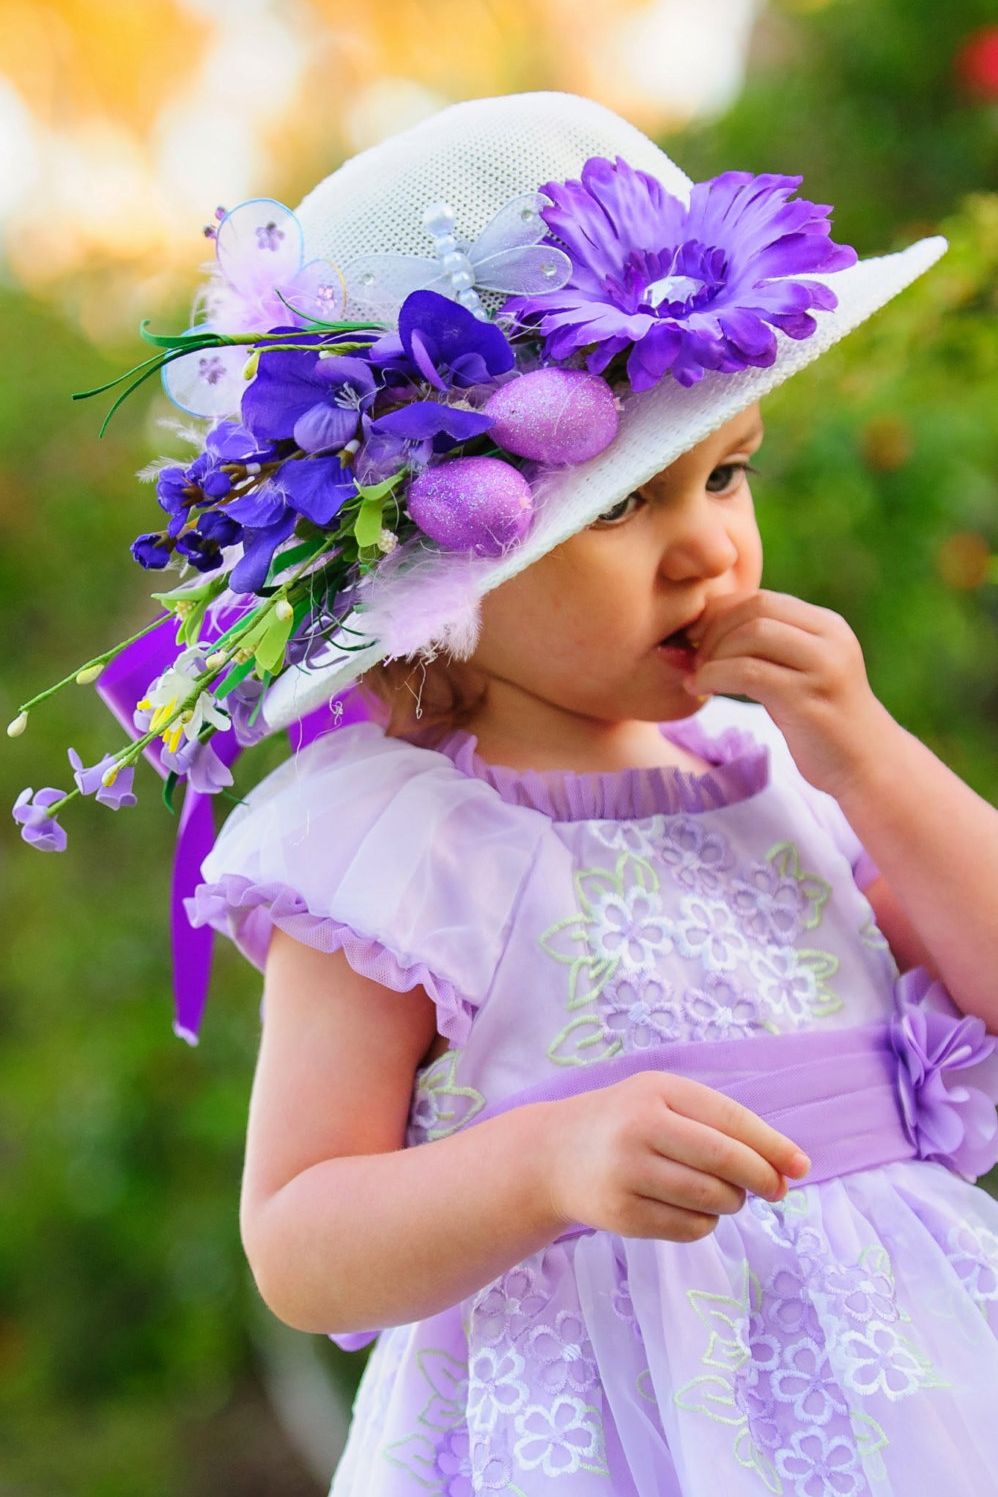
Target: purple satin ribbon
(124, 682)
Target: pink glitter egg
(477, 504)
(554, 415)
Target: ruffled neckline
(739, 768)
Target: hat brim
(656, 427)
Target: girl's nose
(697, 541)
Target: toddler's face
(579, 628)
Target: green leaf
(367, 526)
(168, 789)
(232, 680)
(268, 639)
(286, 559)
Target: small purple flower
(241, 702)
(88, 781)
(205, 771)
(152, 550)
(954, 1124)
(41, 831)
(684, 289)
(316, 401)
(443, 343)
(442, 426)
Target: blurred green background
(135, 1359)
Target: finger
(707, 1107)
(747, 676)
(764, 603)
(676, 1184)
(764, 638)
(712, 1152)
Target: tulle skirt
(843, 1342)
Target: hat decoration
(336, 445)
(335, 442)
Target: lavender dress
(842, 1342)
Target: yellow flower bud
(110, 775)
(283, 609)
(242, 656)
(17, 727)
(216, 660)
(88, 674)
(251, 365)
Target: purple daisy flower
(41, 831)
(685, 289)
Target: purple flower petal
(427, 418)
(325, 427)
(317, 487)
(250, 571)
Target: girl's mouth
(677, 650)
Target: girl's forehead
(742, 429)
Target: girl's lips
(678, 657)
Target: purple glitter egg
(554, 415)
(477, 504)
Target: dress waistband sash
(852, 1099)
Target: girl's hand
(805, 665)
(660, 1155)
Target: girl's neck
(548, 739)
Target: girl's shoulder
(380, 847)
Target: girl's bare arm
(344, 1228)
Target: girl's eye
(618, 511)
(727, 469)
(723, 473)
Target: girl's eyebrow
(755, 430)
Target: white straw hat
(477, 156)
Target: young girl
(626, 1059)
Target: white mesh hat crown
(476, 156)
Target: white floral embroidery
(560, 1438)
(771, 905)
(696, 855)
(563, 1355)
(706, 930)
(819, 1464)
(496, 1388)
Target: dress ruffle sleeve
(374, 846)
(824, 807)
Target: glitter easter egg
(476, 504)
(554, 415)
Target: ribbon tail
(192, 947)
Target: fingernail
(800, 1164)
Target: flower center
(678, 289)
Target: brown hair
(447, 692)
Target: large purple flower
(685, 289)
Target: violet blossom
(89, 781)
(38, 829)
(684, 289)
(317, 401)
(205, 771)
(441, 342)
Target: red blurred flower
(976, 63)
